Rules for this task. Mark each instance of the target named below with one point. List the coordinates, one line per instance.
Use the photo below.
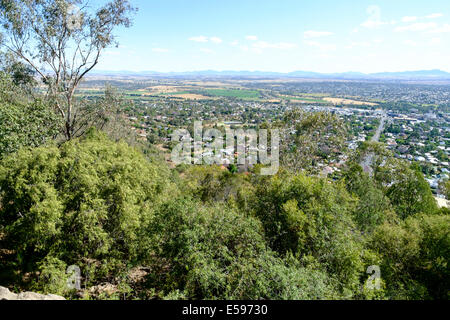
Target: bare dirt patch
(349, 101)
(208, 83)
(299, 101)
(192, 96)
(164, 89)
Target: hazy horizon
(272, 71)
(321, 36)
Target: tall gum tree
(62, 40)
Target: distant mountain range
(406, 75)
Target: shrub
(416, 256)
(82, 203)
(212, 252)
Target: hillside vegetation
(79, 191)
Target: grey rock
(5, 294)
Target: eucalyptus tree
(62, 41)
(25, 121)
(21, 74)
(310, 137)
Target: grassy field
(233, 93)
(314, 95)
(175, 93)
(204, 93)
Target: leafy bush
(211, 234)
(312, 217)
(211, 252)
(416, 256)
(82, 203)
(406, 188)
(24, 120)
(53, 277)
(373, 206)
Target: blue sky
(284, 36)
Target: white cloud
(374, 21)
(279, 45)
(244, 48)
(215, 40)
(284, 45)
(251, 38)
(378, 40)
(160, 50)
(420, 26)
(205, 50)
(204, 39)
(316, 34)
(199, 39)
(112, 53)
(410, 43)
(434, 16)
(258, 46)
(409, 19)
(445, 28)
(364, 44)
(321, 46)
(435, 41)
(372, 24)
(234, 43)
(257, 50)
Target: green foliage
(67, 38)
(408, 190)
(372, 154)
(24, 121)
(373, 206)
(402, 183)
(232, 93)
(416, 256)
(194, 232)
(233, 168)
(309, 137)
(21, 74)
(53, 277)
(203, 232)
(446, 189)
(213, 184)
(82, 203)
(211, 252)
(312, 217)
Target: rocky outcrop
(5, 294)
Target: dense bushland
(77, 190)
(207, 233)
